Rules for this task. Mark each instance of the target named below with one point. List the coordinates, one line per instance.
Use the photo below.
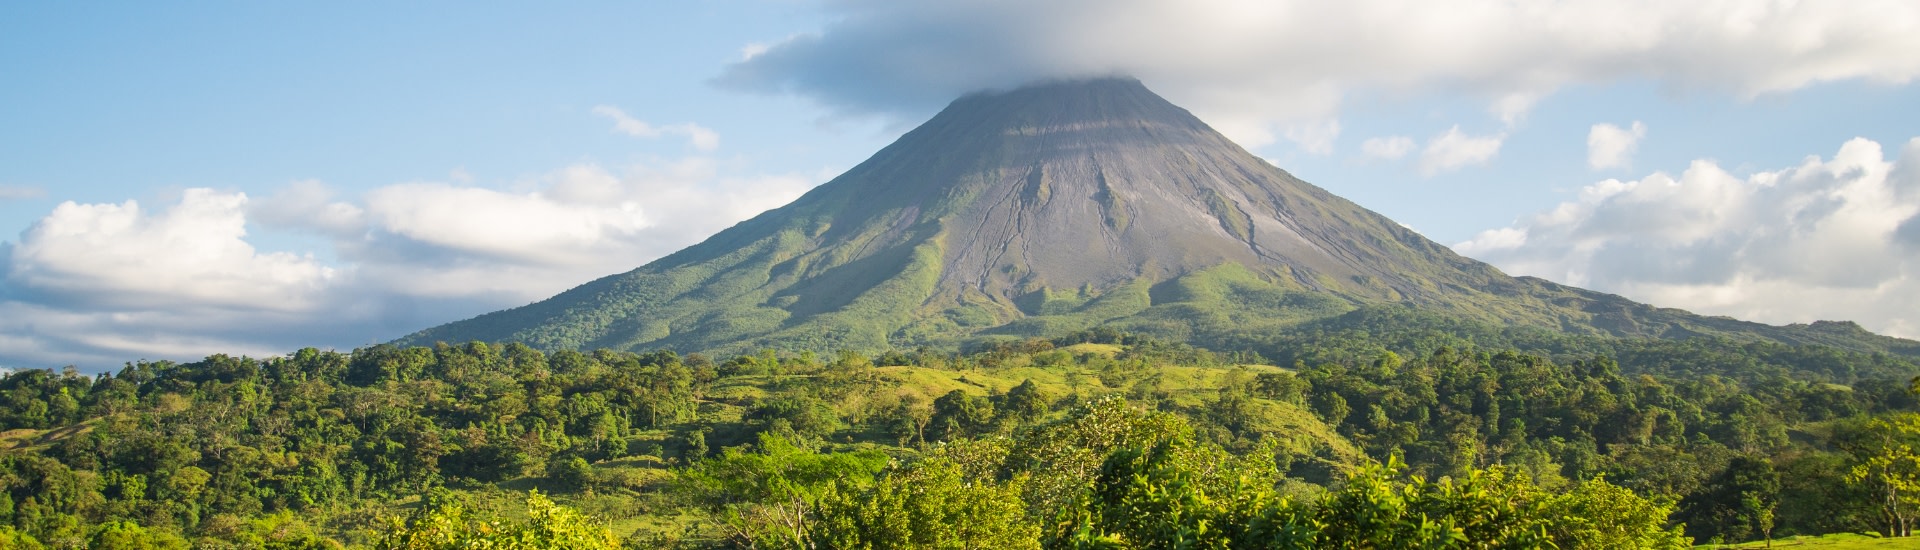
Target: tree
(1025, 402)
(1887, 463)
(127, 535)
(929, 504)
(1728, 507)
(571, 472)
(11, 538)
(1176, 494)
(1599, 515)
(696, 446)
(1762, 513)
(548, 526)
(959, 414)
(767, 498)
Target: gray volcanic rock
(1054, 207)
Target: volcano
(1056, 207)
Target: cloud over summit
(1256, 68)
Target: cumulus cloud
(1387, 148)
(1610, 146)
(1454, 149)
(193, 252)
(99, 284)
(521, 227)
(1828, 239)
(1253, 66)
(584, 216)
(18, 192)
(699, 136)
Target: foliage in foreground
(1164, 490)
(452, 527)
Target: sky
(254, 178)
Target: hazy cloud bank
(18, 192)
(1835, 239)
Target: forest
(1359, 436)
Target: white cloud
(194, 252)
(1315, 137)
(1388, 148)
(523, 227)
(1826, 239)
(1610, 146)
(308, 205)
(1250, 67)
(1513, 107)
(701, 137)
(18, 192)
(1454, 149)
(559, 230)
(99, 284)
(752, 50)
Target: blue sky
(256, 177)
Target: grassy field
(1843, 541)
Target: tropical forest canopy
(1386, 432)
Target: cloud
(530, 228)
(582, 216)
(99, 284)
(1610, 146)
(1454, 149)
(752, 50)
(1828, 239)
(1315, 137)
(1250, 67)
(1388, 148)
(19, 192)
(701, 137)
(308, 205)
(192, 253)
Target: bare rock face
(1095, 184)
(1054, 207)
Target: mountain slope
(1050, 208)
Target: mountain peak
(1048, 208)
(1073, 105)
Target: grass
(1838, 541)
(30, 440)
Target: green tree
(930, 504)
(1599, 515)
(17, 540)
(1887, 463)
(1025, 402)
(127, 535)
(959, 414)
(571, 472)
(767, 498)
(547, 526)
(1728, 506)
(1173, 494)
